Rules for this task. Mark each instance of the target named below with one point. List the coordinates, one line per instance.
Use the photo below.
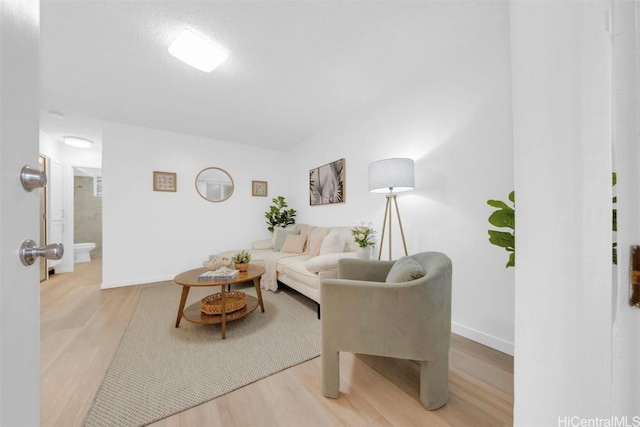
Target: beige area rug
(159, 370)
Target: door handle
(29, 251)
(32, 178)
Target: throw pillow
(315, 240)
(332, 243)
(280, 235)
(294, 244)
(404, 269)
(275, 232)
(305, 230)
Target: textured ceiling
(293, 65)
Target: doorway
(87, 221)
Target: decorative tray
(212, 304)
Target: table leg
(224, 313)
(256, 284)
(183, 300)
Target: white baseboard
(133, 282)
(485, 339)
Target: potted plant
(505, 217)
(364, 235)
(277, 215)
(241, 260)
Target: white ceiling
(293, 66)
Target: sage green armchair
(408, 320)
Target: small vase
(364, 253)
(242, 267)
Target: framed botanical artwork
(327, 183)
(164, 181)
(259, 188)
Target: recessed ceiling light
(197, 51)
(76, 141)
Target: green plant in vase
(278, 215)
(241, 260)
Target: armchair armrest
(366, 270)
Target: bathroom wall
(87, 225)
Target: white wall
(49, 146)
(150, 236)
(454, 120)
(561, 95)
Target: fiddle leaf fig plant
(277, 215)
(504, 217)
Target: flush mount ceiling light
(197, 51)
(76, 141)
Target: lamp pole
(388, 213)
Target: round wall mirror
(214, 184)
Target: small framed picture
(164, 181)
(259, 188)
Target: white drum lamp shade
(391, 175)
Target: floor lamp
(391, 176)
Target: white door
(19, 214)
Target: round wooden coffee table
(193, 313)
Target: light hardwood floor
(82, 326)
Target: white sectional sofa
(301, 266)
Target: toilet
(81, 251)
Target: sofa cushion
(327, 261)
(404, 269)
(350, 243)
(315, 240)
(294, 244)
(332, 243)
(305, 229)
(293, 270)
(280, 235)
(262, 244)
